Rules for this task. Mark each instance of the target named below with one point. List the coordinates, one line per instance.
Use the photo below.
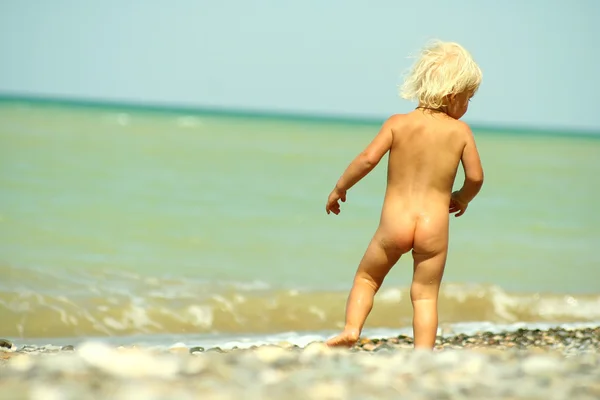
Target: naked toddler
(425, 148)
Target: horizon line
(81, 102)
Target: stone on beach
(6, 346)
(134, 363)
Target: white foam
(392, 295)
(202, 316)
(189, 121)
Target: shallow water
(121, 222)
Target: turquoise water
(117, 221)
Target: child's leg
(379, 258)
(424, 291)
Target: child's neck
(441, 109)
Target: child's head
(445, 76)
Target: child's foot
(344, 339)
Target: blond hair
(441, 69)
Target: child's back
(425, 153)
(425, 148)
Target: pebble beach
(521, 364)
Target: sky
(540, 58)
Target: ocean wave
(119, 304)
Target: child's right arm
(473, 171)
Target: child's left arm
(362, 165)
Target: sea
(158, 226)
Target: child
(426, 147)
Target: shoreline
(554, 363)
(228, 340)
(306, 117)
(557, 338)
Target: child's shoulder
(395, 120)
(414, 116)
(414, 121)
(398, 117)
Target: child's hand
(457, 205)
(333, 204)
